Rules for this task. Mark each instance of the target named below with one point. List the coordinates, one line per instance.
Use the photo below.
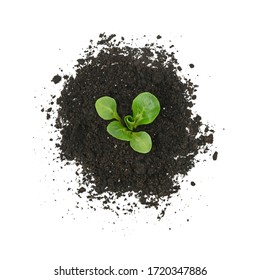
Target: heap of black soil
(111, 169)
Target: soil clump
(110, 168)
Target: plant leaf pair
(139, 141)
(145, 108)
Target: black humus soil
(111, 169)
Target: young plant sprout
(145, 109)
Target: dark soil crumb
(215, 156)
(81, 190)
(109, 167)
(191, 65)
(56, 79)
(193, 183)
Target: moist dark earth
(110, 168)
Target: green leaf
(117, 130)
(106, 108)
(130, 122)
(141, 142)
(146, 108)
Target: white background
(222, 39)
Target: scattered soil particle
(81, 190)
(110, 168)
(193, 183)
(56, 79)
(215, 156)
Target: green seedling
(145, 109)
